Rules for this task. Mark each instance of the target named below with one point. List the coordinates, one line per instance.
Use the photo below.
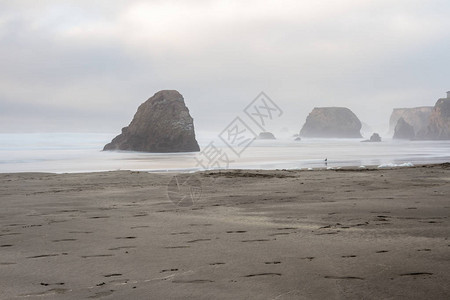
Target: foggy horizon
(83, 67)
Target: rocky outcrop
(297, 137)
(417, 117)
(266, 136)
(374, 138)
(331, 122)
(403, 130)
(439, 123)
(161, 124)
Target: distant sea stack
(331, 122)
(161, 124)
(417, 117)
(266, 136)
(375, 138)
(439, 122)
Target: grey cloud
(91, 64)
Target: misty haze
(212, 149)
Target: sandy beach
(324, 234)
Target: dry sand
(331, 234)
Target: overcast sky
(87, 65)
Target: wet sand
(329, 234)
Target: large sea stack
(331, 122)
(439, 125)
(417, 117)
(161, 124)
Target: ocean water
(81, 152)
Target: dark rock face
(417, 117)
(161, 124)
(404, 130)
(374, 138)
(266, 136)
(439, 125)
(331, 122)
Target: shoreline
(259, 234)
(177, 171)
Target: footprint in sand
(263, 274)
(344, 277)
(69, 211)
(122, 247)
(43, 255)
(197, 208)
(184, 232)
(253, 241)
(96, 255)
(310, 258)
(192, 281)
(112, 275)
(198, 240)
(416, 274)
(168, 270)
(64, 240)
(32, 225)
(140, 215)
(47, 284)
(324, 227)
(15, 224)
